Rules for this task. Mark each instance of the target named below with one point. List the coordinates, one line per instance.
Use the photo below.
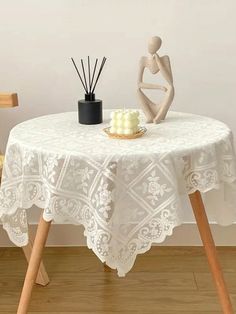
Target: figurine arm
(152, 86)
(163, 70)
(141, 84)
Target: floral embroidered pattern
(77, 177)
(49, 165)
(154, 189)
(103, 199)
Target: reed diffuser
(90, 108)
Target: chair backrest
(1, 165)
(8, 100)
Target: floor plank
(204, 281)
(133, 281)
(130, 312)
(165, 280)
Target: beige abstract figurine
(154, 63)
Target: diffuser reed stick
(99, 73)
(89, 75)
(94, 70)
(78, 73)
(89, 84)
(82, 63)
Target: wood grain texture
(131, 312)
(165, 280)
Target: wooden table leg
(210, 250)
(34, 263)
(42, 277)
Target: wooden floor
(165, 280)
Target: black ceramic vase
(90, 110)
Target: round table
(126, 193)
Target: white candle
(128, 131)
(120, 123)
(120, 115)
(124, 121)
(120, 131)
(113, 130)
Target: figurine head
(154, 44)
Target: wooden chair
(1, 165)
(7, 101)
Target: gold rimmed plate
(141, 131)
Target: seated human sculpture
(155, 112)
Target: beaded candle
(124, 122)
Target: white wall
(37, 39)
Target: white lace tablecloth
(126, 193)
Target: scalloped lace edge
(125, 268)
